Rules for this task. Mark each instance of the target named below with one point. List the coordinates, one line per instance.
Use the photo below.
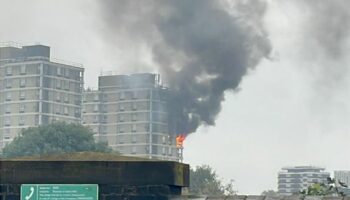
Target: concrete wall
(116, 179)
(258, 197)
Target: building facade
(292, 180)
(130, 113)
(35, 90)
(344, 177)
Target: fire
(179, 140)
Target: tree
(205, 181)
(270, 193)
(323, 189)
(55, 138)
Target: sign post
(59, 192)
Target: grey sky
(293, 109)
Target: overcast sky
(291, 109)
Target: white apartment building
(36, 90)
(130, 113)
(292, 180)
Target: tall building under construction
(130, 113)
(36, 90)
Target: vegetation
(56, 138)
(331, 188)
(205, 181)
(270, 193)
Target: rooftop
(79, 156)
(11, 52)
(303, 167)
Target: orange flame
(179, 140)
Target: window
(37, 82)
(7, 121)
(105, 97)
(8, 71)
(96, 108)
(96, 97)
(36, 120)
(134, 106)
(121, 107)
(66, 110)
(133, 139)
(59, 71)
(104, 119)
(133, 150)
(21, 121)
(22, 108)
(38, 69)
(66, 85)
(121, 129)
(122, 96)
(104, 130)
(66, 98)
(22, 95)
(7, 109)
(134, 128)
(163, 151)
(170, 151)
(134, 117)
(84, 120)
(8, 96)
(23, 69)
(104, 108)
(58, 84)
(22, 82)
(67, 73)
(7, 134)
(134, 95)
(121, 118)
(8, 83)
(58, 97)
(77, 112)
(57, 110)
(96, 119)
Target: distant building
(343, 176)
(292, 180)
(130, 113)
(35, 90)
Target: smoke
(325, 35)
(202, 48)
(328, 23)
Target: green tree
(270, 193)
(205, 181)
(331, 187)
(317, 189)
(55, 138)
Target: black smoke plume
(202, 48)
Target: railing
(65, 62)
(11, 44)
(41, 58)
